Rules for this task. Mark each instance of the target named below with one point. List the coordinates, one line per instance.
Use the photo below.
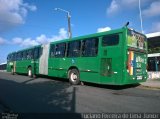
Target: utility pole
(69, 21)
(140, 16)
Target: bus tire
(30, 71)
(74, 77)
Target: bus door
(13, 66)
(43, 61)
(111, 60)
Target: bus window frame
(19, 56)
(97, 40)
(58, 46)
(116, 34)
(30, 54)
(24, 58)
(52, 50)
(36, 53)
(72, 43)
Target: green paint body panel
(59, 67)
(9, 66)
(22, 66)
(108, 67)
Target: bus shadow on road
(107, 86)
(50, 97)
(113, 87)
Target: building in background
(153, 55)
(3, 66)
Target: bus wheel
(12, 71)
(74, 76)
(30, 71)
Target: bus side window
(27, 53)
(12, 57)
(94, 48)
(52, 50)
(16, 56)
(74, 49)
(36, 53)
(90, 47)
(30, 54)
(60, 50)
(19, 56)
(110, 40)
(24, 55)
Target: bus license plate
(139, 77)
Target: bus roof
(80, 37)
(25, 49)
(92, 35)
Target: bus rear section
(112, 58)
(136, 64)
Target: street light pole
(140, 15)
(69, 21)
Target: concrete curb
(151, 84)
(150, 87)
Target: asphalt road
(21, 94)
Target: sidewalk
(2, 70)
(152, 83)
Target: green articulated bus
(115, 57)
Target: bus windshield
(136, 40)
